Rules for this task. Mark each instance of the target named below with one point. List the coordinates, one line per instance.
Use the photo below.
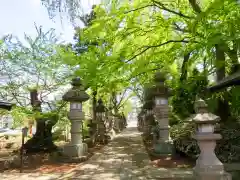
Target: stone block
(75, 151)
(212, 176)
(164, 148)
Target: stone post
(76, 95)
(164, 145)
(101, 129)
(140, 121)
(111, 133)
(149, 116)
(208, 166)
(116, 124)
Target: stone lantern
(208, 166)
(164, 145)
(140, 120)
(149, 116)
(101, 129)
(76, 96)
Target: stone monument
(101, 129)
(148, 120)
(164, 145)
(76, 149)
(208, 166)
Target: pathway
(124, 158)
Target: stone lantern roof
(100, 106)
(6, 105)
(159, 89)
(76, 93)
(203, 116)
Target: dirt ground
(39, 163)
(175, 161)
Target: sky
(19, 16)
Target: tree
(93, 68)
(35, 79)
(175, 38)
(71, 8)
(171, 34)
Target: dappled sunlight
(123, 158)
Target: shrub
(174, 119)
(227, 149)
(185, 94)
(183, 141)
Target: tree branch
(195, 6)
(154, 46)
(184, 30)
(143, 7)
(184, 68)
(162, 6)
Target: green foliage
(121, 47)
(185, 95)
(21, 116)
(183, 141)
(174, 119)
(235, 101)
(227, 149)
(86, 128)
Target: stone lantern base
(75, 152)
(164, 148)
(211, 175)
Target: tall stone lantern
(164, 145)
(208, 166)
(149, 116)
(76, 96)
(101, 129)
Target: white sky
(18, 16)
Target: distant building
(6, 121)
(6, 105)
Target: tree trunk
(184, 69)
(223, 109)
(92, 125)
(94, 104)
(42, 140)
(233, 54)
(114, 103)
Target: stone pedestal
(148, 125)
(208, 166)
(76, 148)
(101, 130)
(164, 145)
(116, 124)
(164, 148)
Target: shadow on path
(124, 158)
